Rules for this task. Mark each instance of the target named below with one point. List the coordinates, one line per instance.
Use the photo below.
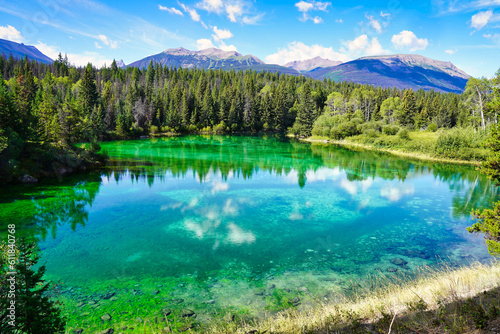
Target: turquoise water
(225, 223)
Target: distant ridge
(311, 64)
(400, 71)
(19, 51)
(211, 58)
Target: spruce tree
(305, 112)
(409, 108)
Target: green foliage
(36, 313)
(488, 224)
(404, 134)
(432, 127)
(390, 130)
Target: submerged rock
(176, 301)
(166, 311)
(399, 262)
(392, 270)
(78, 331)
(107, 331)
(185, 328)
(187, 313)
(155, 292)
(106, 317)
(28, 179)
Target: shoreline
(408, 155)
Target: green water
(244, 225)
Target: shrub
(404, 134)
(153, 129)
(370, 126)
(371, 133)
(432, 127)
(390, 130)
(346, 129)
(450, 143)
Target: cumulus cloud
(225, 47)
(408, 40)
(220, 34)
(10, 33)
(382, 14)
(172, 10)
(317, 20)
(83, 59)
(450, 52)
(374, 23)
(362, 45)
(479, 20)
(204, 43)
(300, 51)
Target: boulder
(29, 179)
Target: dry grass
(435, 287)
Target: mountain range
(399, 70)
(19, 50)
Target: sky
(467, 33)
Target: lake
(247, 225)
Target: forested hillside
(60, 105)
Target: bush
(370, 126)
(450, 143)
(371, 133)
(404, 134)
(346, 129)
(390, 130)
(432, 127)
(153, 129)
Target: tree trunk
(481, 109)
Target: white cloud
(239, 236)
(350, 187)
(233, 11)
(252, 19)
(450, 52)
(221, 34)
(382, 14)
(171, 10)
(211, 6)
(363, 46)
(225, 47)
(10, 33)
(408, 40)
(305, 6)
(317, 20)
(394, 194)
(94, 58)
(192, 12)
(339, 21)
(479, 20)
(300, 51)
(97, 45)
(106, 41)
(204, 43)
(374, 23)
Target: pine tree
(409, 108)
(88, 91)
(36, 313)
(305, 111)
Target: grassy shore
(442, 300)
(419, 145)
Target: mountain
(210, 59)
(311, 64)
(401, 71)
(19, 50)
(120, 64)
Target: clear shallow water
(216, 221)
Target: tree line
(62, 105)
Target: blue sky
(467, 33)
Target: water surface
(241, 224)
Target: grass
(421, 145)
(441, 300)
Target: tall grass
(433, 288)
